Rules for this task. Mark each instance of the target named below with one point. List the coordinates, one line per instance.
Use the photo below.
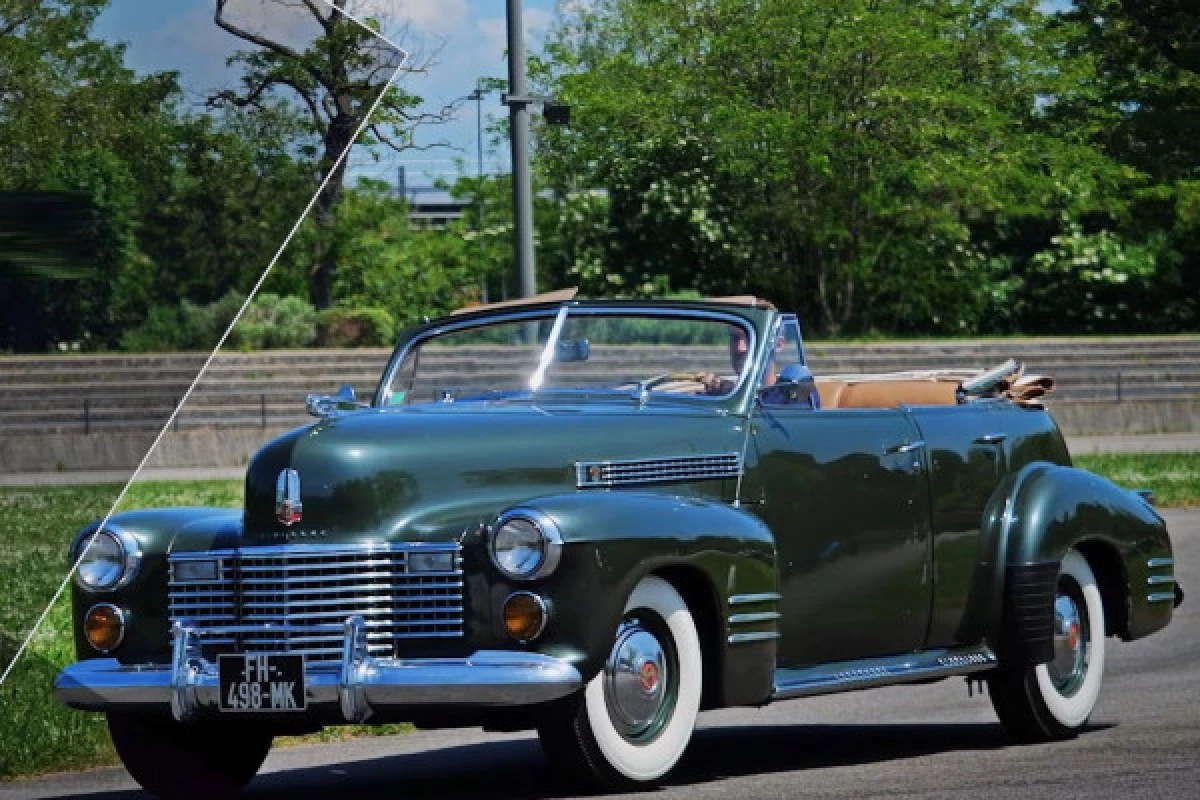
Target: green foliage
(877, 166)
(272, 321)
(355, 327)
(385, 263)
(186, 326)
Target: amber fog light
(524, 616)
(104, 626)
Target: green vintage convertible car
(597, 518)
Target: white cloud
(494, 30)
(428, 17)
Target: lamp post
(518, 129)
(477, 96)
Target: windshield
(583, 352)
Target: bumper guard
(355, 687)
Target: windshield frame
(573, 308)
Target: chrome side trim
(757, 636)
(1155, 580)
(762, 616)
(1160, 597)
(1154, 563)
(747, 599)
(872, 672)
(635, 472)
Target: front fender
(1043, 510)
(709, 550)
(158, 532)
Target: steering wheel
(668, 377)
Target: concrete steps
(71, 394)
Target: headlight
(525, 544)
(109, 562)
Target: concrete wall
(115, 451)
(233, 448)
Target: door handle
(991, 438)
(905, 447)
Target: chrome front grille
(657, 470)
(292, 598)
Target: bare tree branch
(313, 6)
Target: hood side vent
(604, 474)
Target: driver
(739, 351)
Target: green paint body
(873, 553)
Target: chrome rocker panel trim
(355, 687)
(887, 671)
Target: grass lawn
(37, 734)
(1174, 478)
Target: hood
(428, 473)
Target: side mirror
(333, 405)
(794, 385)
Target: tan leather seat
(886, 393)
(829, 390)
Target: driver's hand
(710, 381)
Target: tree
(67, 105)
(852, 159)
(411, 273)
(336, 79)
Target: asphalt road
(922, 741)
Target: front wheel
(631, 724)
(1054, 700)
(172, 760)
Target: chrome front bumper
(355, 688)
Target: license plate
(261, 682)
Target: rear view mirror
(568, 350)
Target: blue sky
(468, 37)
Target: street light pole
(477, 96)
(518, 127)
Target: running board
(868, 673)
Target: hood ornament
(287, 497)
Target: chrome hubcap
(639, 682)
(1071, 639)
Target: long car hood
(426, 474)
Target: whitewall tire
(1056, 699)
(634, 720)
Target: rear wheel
(1055, 700)
(631, 724)
(172, 760)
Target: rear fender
(1039, 513)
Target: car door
(845, 493)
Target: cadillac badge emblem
(287, 497)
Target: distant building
(429, 206)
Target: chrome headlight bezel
(550, 544)
(128, 558)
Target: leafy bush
(272, 321)
(188, 326)
(355, 327)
